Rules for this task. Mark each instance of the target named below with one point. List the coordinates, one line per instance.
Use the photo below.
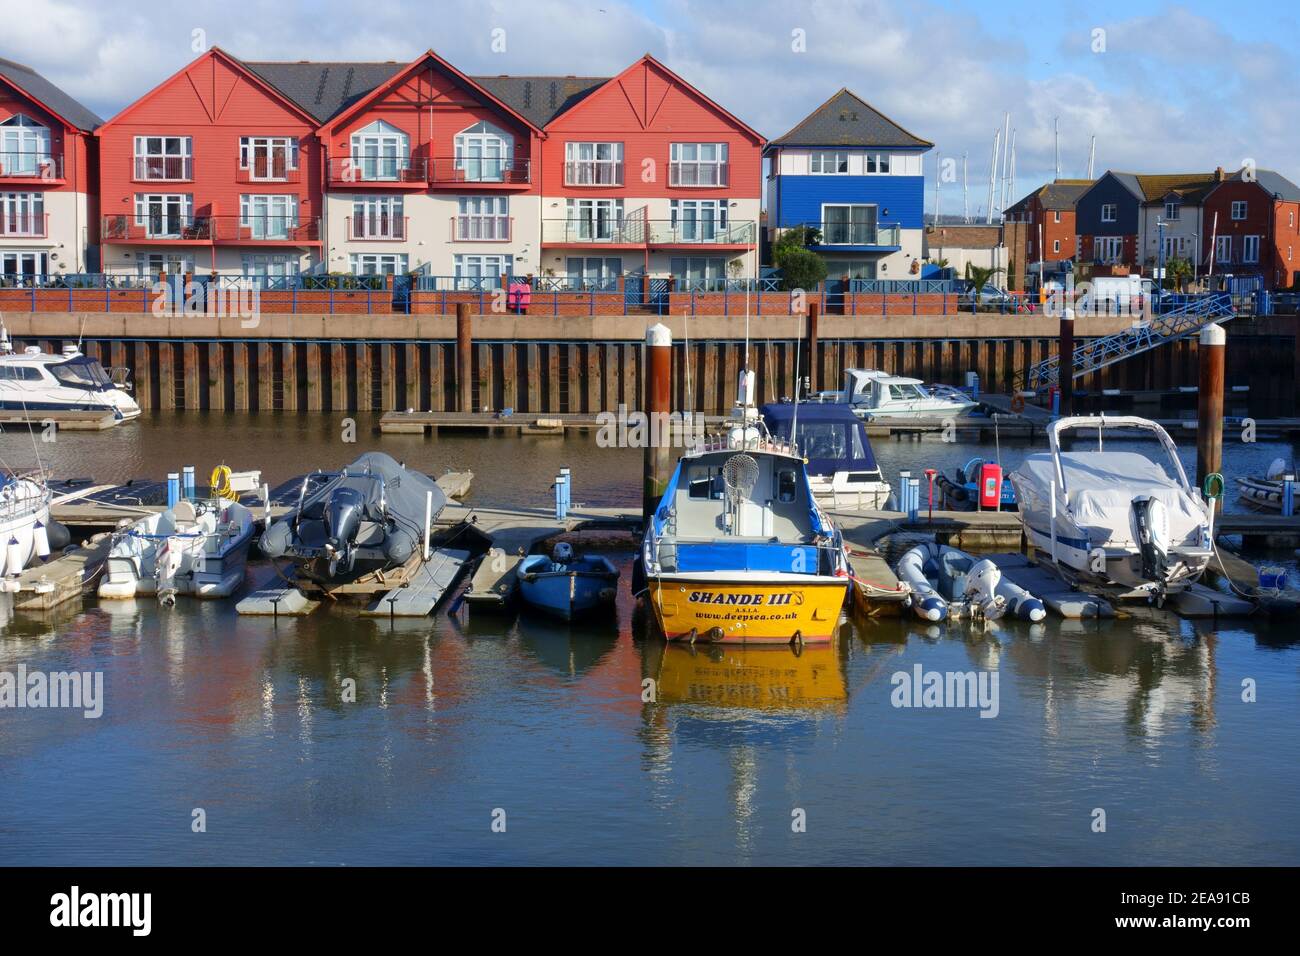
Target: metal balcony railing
(700, 231)
(170, 226)
(450, 170)
(481, 228)
(698, 174)
(263, 228)
(379, 170)
(378, 227)
(24, 224)
(268, 171)
(27, 165)
(594, 172)
(596, 231)
(163, 168)
(858, 234)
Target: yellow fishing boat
(738, 549)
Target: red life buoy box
(990, 485)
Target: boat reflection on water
(569, 649)
(773, 679)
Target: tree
(1178, 272)
(979, 277)
(800, 268)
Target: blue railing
(906, 286)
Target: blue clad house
(857, 176)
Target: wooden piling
(1209, 426)
(464, 359)
(658, 401)
(1065, 370)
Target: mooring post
(464, 359)
(658, 436)
(1065, 368)
(813, 384)
(1209, 425)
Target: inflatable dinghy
(948, 582)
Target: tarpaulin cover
(830, 436)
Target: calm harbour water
(458, 717)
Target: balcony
(594, 172)
(481, 228)
(480, 173)
(24, 225)
(698, 175)
(378, 228)
(162, 227)
(163, 169)
(267, 172)
(859, 236)
(640, 232)
(399, 172)
(30, 169)
(264, 229)
(701, 232)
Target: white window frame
(471, 266)
(1056, 245)
(1172, 210)
(184, 209)
(482, 219)
(380, 152)
(22, 214)
(24, 147)
(1250, 249)
(24, 262)
(269, 215)
(593, 163)
(1056, 214)
(484, 153)
(378, 217)
(877, 164)
(697, 164)
(869, 237)
(378, 263)
(592, 271)
(150, 264)
(162, 160)
(698, 220)
(1113, 247)
(1244, 208)
(250, 146)
(1109, 212)
(269, 264)
(1223, 249)
(585, 220)
(838, 164)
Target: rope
(220, 484)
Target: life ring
(1017, 403)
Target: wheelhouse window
(81, 372)
(268, 158)
(595, 220)
(477, 272)
(699, 220)
(380, 152)
(22, 214)
(484, 153)
(593, 164)
(483, 219)
(849, 225)
(165, 215)
(268, 216)
(164, 157)
(378, 217)
(823, 163)
(24, 147)
(697, 164)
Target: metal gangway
(1176, 317)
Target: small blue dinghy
(567, 585)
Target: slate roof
(325, 89)
(1059, 194)
(848, 120)
(541, 98)
(1274, 183)
(1191, 187)
(49, 95)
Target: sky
(1164, 87)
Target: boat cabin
(832, 440)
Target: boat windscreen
(81, 372)
(831, 437)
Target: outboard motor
(1151, 532)
(562, 553)
(343, 513)
(981, 590)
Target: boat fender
(58, 534)
(13, 557)
(41, 540)
(398, 547)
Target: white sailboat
(24, 523)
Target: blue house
(855, 175)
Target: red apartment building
(1252, 227)
(47, 177)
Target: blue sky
(1178, 87)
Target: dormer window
(380, 152)
(484, 153)
(1171, 209)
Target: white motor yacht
(875, 394)
(36, 381)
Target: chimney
(1218, 174)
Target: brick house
(1050, 206)
(1253, 227)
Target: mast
(1056, 136)
(965, 192)
(1006, 160)
(1092, 154)
(993, 172)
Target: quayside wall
(588, 364)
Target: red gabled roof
(214, 53)
(402, 75)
